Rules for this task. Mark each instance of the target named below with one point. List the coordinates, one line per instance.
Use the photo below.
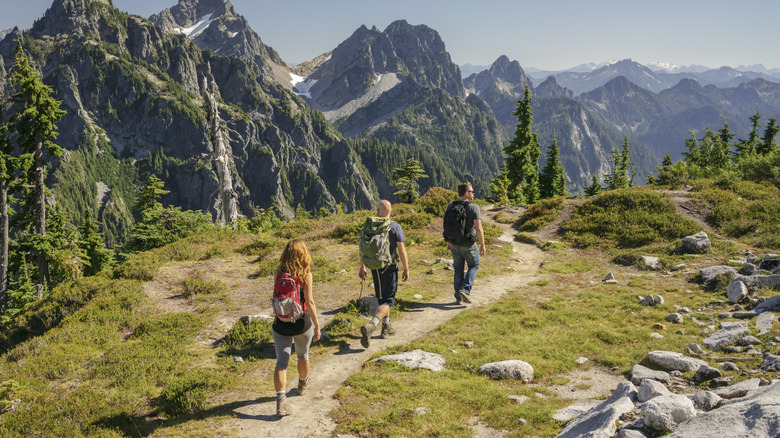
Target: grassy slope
(129, 364)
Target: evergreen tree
(36, 127)
(622, 175)
(405, 178)
(97, 257)
(767, 144)
(150, 195)
(499, 189)
(552, 182)
(663, 171)
(518, 150)
(531, 171)
(750, 146)
(595, 186)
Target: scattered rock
(519, 399)
(581, 360)
(706, 400)
(749, 340)
(694, 348)
(610, 279)
(416, 359)
(771, 362)
(698, 243)
(729, 366)
(576, 409)
(729, 333)
(706, 373)
(675, 318)
(739, 389)
(238, 359)
(640, 372)
(736, 291)
(754, 415)
(601, 421)
(422, 411)
(711, 275)
(664, 413)
(764, 323)
(651, 263)
(675, 361)
(770, 305)
(650, 389)
(468, 344)
(508, 369)
(655, 335)
(755, 282)
(431, 271)
(417, 297)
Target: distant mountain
(467, 70)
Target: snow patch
(197, 28)
(302, 86)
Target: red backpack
(287, 303)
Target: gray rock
(748, 269)
(640, 373)
(749, 340)
(734, 349)
(416, 359)
(710, 276)
(508, 369)
(655, 335)
(764, 322)
(650, 389)
(769, 264)
(575, 410)
(519, 399)
(601, 421)
(754, 415)
(630, 433)
(739, 389)
(657, 300)
(651, 263)
(755, 282)
(697, 243)
(706, 400)
(771, 362)
(727, 335)
(422, 411)
(675, 361)
(610, 279)
(770, 305)
(675, 318)
(744, 314)
(752, 258)
(729, 366)
(664, 413)
(705, 373)
(736, 291)
(695, 348)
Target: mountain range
(193, 96)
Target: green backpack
(375, 243)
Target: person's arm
(312, 308)
(480, 236)
(404, 261)
(362, 272)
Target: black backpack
(456, 227)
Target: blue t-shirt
(396, 235)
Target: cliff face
(217, 130)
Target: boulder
(771, 362)
(754, 415)
(705, 373)
(675, 361)
(664, 413)
(650, 389)
(575, 410)
(698, 243)
(651, 263)
(639, 373)
(770, 305)
(727, 335)
(764, 322)
(416, 359)
(711, 275)
(508, 369)
(738, 389)
(736, 291)
(755, 282)
(630, 433)
(601, 421)
(706, 400)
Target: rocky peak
(72, 17)
(508, 71)
(550, 88)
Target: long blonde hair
(295, 259)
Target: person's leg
(385, 286)
(283, 346)
(302, 344)
(472, 258)
(458, 264)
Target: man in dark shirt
(467, 252)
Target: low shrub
(248, 339)
(435, 201)
(187, 394)
(197, 285)
(540, 214)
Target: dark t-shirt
(396, 235)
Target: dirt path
(330, 373)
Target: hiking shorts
(385, 284)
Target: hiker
(462, 229)
(295, 265)
(381, 246)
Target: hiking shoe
(464, 297)
(282, 407)
(366, 331)
(302, 385)
(387, 330)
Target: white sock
(280, 394)
(385, 320)
(374, 320)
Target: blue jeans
(461, 255)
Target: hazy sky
(546, 34)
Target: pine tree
(748, 147)
(531, 170)
(767, 144)
(518, 150)
(405, 178)
(595, 186)
(499, 189)
(552, 182)
(97, 257)
(150, 195)
(622, 175)
(36, 126)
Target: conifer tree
(405, 178)
(97, 257)
(552, 182)
(517, 151)
(531, 171)
(595, 186)
(36, 127)
(620, 177)
(767, 144)
(499, 189)
(748, 147)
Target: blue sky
(546, 34)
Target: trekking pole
(361, 290)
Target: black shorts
(385, 284)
